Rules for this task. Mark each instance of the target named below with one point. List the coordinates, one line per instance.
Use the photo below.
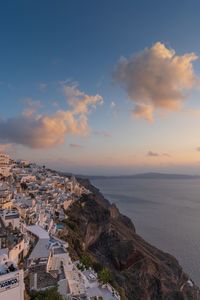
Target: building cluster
(33, 205)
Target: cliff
(140, 271)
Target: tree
(49, 294)
(97, 266)
(86, 261)
(105, 276)
(122, 293)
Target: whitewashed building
(5, 196)
(5, 165)
(10, 218)
(11, 280)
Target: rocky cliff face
(140, 271)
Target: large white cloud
(44, 131)
(156, 78)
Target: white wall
(12, 286)
(14, 253)
(5, 171)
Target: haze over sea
(166, 213)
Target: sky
(106, 87)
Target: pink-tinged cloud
(166, 154)
(31, 106)
(45, 131)
(143, 111)
(152, 154)
(79, 101)
(156, 78)
(155, 154)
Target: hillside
(140, 271)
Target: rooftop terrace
(7, 267)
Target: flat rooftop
(38, 231)
(41, 249)
(100, 292)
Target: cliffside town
(33, 208)
(59, 232)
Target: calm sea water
(166, 213)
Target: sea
(165, 212)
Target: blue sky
(47, 45)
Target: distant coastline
(149, 175)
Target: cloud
(79, 101)
(152, 154)
(103, 133)
(143, 111)
(45, 131)
(156, 78)
(155, 154)
(198, 149)
(75, 145)
(43, 86)
(166, 154)
(112, 104)
(114, 108)
(31, 106)
(55, 103)
(7, 148)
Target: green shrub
(86, 261)
(49, 294)
(104, 276)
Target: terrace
(7, 267)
